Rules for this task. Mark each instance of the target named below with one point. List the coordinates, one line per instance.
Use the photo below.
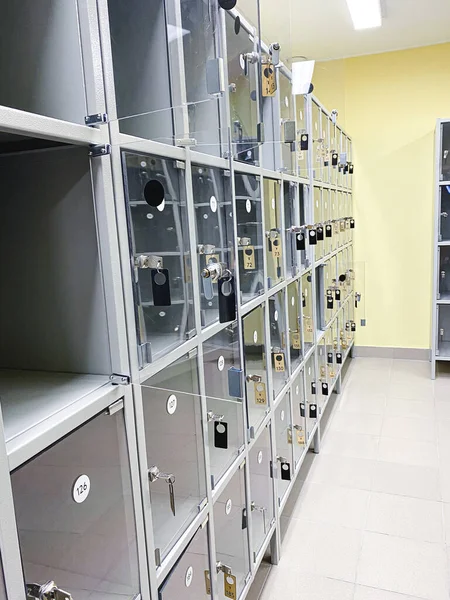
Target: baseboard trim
(385, 352)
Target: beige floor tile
(357, 423)
(420, 389)
(368, 404)
(399, 407)
(366, 593)
(409, 452)
(288, 584)
(409, 428)
(342, 470)
(355, 445)
(406, 480)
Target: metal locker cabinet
(307, 311)
(189, 578)
(74, 512)
(215, 239)
(293, 220)
(255, 361)
(444, 214)
(287, 125)
(243, 81)
(224, 399)
(302, 154)
(160, 257)
(312, 391)
(317, 142)
(278, 346)
(294, 324)
(174, 445)
(299, 410)
(230, 523)
(284, 435)
(273, 233)
(261, 489)
(251, 240)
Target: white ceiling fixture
(365, 14)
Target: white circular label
(220, 363)
(228, 506)
(286, 101)
(312, 233)
(316, 126)
(306, 292)
(293, 301)
(275, 315)
(282, 415)
(143, 163)
(242, 61)
(255, 336)
(189, 576)
(301, 115)
(161, 206)
(81, 489)
(149, 216)
(213, 204)
(205, 216)
(285, 467)
(162, 313)
(309, 370)
(248, 205)
(171, 405)
(260, 457)
(296, 390)
(273, 203)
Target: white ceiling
(322, 29)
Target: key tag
(337, 294)
(227, 298)
(334, 159)
(244, 519)
(160, 287)
(330, 358)
(260, 393)
(303, 300)
(302, 409)
(249, 258)
(313, 411)
(276, 247)
(312, 237)
(208, 583)
(300, 436)
(328, 231)
(339, 358)
(285, 471)
(353, 326)
(221, 435)
(296, 340)
(330, 302)
(230, 586)
(313, 387)
(352, 223)
(319, 233)
(304, 141)
(300, 241)
(324, 388)
(278, 361)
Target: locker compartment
(261, 489)
(255, 364)
(43, 64)
(299, 409)
(287, 134)
(190, 577)
(294, 324)
(175, 450)
(302, 153)
(350, 162)
(334, 216)
(327, 291)
(284, 434)
(243, 82)
(297, 248)
(317, 142)
(444, 273)
(443, 333)
(250, 235)
(330, 349)
(307, 312)
(444, 218)
(342, 158)
(318, 221)
(274, 238)
(232, 546)
(271, 154)
(278, 350)
(334, 154)
(74, 511)
(326, 218)
(325, 136)
(2, 582)
(322, 386)
(312, 410)
(445, 152)
(224, 398)
(335, 345)
(215, 239)
(350, 324)
(160, 253)
(344, 334)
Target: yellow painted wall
(389, 104)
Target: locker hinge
(96, 150)
(97, 119)
(202, 504)
(117, 379)
(158, 557)
(185, 142)
(247, 579)
(115, 407)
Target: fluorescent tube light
(365, 14)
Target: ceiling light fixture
(365, 14)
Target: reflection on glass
(243, 86)
(311, 395)
(230, 522)
(283, 431)
(255, 367)
(2, 583)
(79, 529)
(445, 152)
(299, 408)
(444, 228)
(214, 220)
(250, 235)
(174, 444)
(159, 245)
(308, 318)
(302, 154)
(294, 324)
(278, 342)
(317, 142)
(187, 578)
(274, 239)
(287, 132)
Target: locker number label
(81, 489)
(260, 457)
(220, 363)
(171, 405)
(189, 576)
(228, 506)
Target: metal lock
(213, 271)
(244, 241)
(154, 474)
(148, 261)
(206, 248)
(47, 591)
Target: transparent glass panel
(444, 273)
(317, 142)
(445, 152)
(326, 217)
(223, 386)
(297, 258)
(299, 408)
(294, 324)
(322, 379)
(274, 239)
(243, 65)
(279, 358)
(284, 433)
(187, 579)
(342, 156)
(257, 393)
(444, 220)
(159, 246)
(350, 162)
(215, 240)
(84, 519)
(174, 446)
(334, 215)
(250, 235)
(302, 155)
(307, 312)
(341, 221)
(334, 154)
(287, 134)
(261, 489)
(325, 136)
(358, 284)
(344, 159)
(318, 220)
(230, 523)
(312, 412)
(2, 582)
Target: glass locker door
(444, 273)
(299, 408)
(307, 312)
(325, 148)
(160, 254)
(302, 142)
(278, 342)
(215, 239)
(189, 578)
(232, 549)
(287, 127)
(326, 217)
(334, 154)
(334, 218)
(318, 221)
(75, 515)
(292, 221)
(175, 450)
(444, 220)
(312, 411)
(274, 239)
(255, 361)
(250, 240)
(317, 142)
(294, 324)
(261, 489)
(284, 435)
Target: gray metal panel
(52, 312)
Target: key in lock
(154, 474)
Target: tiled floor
(369, 517)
